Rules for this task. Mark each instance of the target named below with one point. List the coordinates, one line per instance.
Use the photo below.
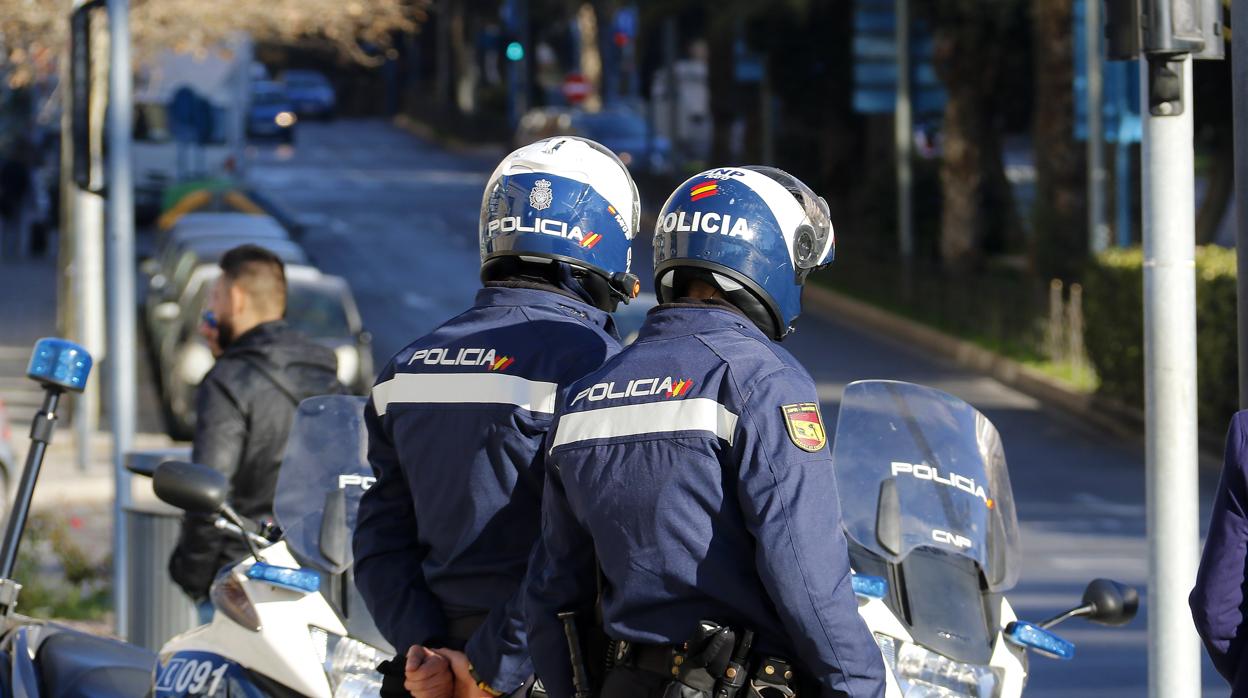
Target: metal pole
(903, 134)
(1098, 230)
(1170, 388)
(1122, 200)
(669, 95)
(120, 292)
(1239, 83)
(40, 436)
(88, 222)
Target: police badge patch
(540, 195)
(805, 426)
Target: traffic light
(515, 51)
(1163, 27)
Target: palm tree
(969, 49)
(1060, 240)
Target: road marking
(1105, 506)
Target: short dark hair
(260, 274)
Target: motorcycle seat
(72, 663)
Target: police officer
(457, 418)
(692, 471)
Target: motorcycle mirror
(1110, 603)
(194, 488)
(1104, 601)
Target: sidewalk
(28, 312)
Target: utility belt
(713, 675)
(717, 661)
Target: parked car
(218, 223)
(270, 114)
(319, 305)
(622, 130)
(194, 228)
(310, 93)
(628, 135)
(543, 122)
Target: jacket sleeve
(789, 499)
(1217, 601)
(220, 436)
(388, 555)
(561, 577)
(499, 649)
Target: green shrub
(1114, 329)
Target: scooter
(40, 658)
(934, 545)
(287, 620)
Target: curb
(421, 130)
(1108, 415)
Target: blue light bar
(59, 363)
(1046, 642)
(870, 587)
(286, 577)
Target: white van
(164, 153)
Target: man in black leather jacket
(246, 403)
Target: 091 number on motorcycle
(201, 674)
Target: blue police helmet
(755, 233)
(565, 199)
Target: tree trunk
(1060, 240)
(442, 54)
(977, 201)
(465, 61)
(1217, 195)
(721, 35)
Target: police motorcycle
(287, 620)
(42, 658)
(934, 545)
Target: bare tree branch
(32, 32)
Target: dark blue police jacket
(695, 466)
(456, 424)
(1218, 601)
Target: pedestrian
(690, 491)
(17, 201)
(1217, 601)
(245, 406)
(457, 418)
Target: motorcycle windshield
(917, 467)
(323, 475)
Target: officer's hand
(427, 674)
(465, 685)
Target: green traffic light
(515, 51)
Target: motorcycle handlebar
(223, 524)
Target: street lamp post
(119, 294)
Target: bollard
(1053, 333)
(1074, 332)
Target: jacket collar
(688, 316)
(533, 295)
(257, 336)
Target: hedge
(1114, 330)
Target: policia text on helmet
(562, 211)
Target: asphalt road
(398, 218)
